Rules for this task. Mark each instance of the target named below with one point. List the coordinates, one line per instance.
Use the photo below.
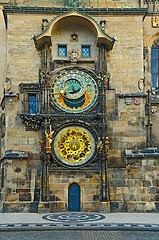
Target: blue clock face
(73, 88)
(74, 91)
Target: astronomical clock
(74, 93)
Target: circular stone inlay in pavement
(73, 217)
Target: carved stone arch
(77, 181)
(147, 52)
(74, 16)
(150, 40)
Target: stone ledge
(9, 95)
(139, 94)
(149, 152)
(14, 154)
(14, 8)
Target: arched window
(155, 64)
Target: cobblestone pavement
(80, 235)
(79, 221)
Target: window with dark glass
(155, 64)
(32, 103)
(62, 50)
(86, 51)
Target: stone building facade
(79, 106)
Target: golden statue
(106, 144)
(49, 140)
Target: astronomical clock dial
(74, 146)
(74, 91)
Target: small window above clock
(62, 50)
(86, 51)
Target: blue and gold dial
(74, 91)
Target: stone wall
(21, 181)
(125, 61)
(126, 125)
(131, 189)
(58, 189)
(17, 137)
(135, 188)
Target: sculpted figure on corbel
(99, 145)
(74, 55)
(45, 78)
(44, 24)
(49, 139)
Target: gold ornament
(49, 140)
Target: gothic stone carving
(32, 123)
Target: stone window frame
(155, 46)
(32, 110)
(26, 90)
(148, 42)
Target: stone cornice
(28, 9)
(148, 152)
(124, 95)
(9, 95)
(11, 154)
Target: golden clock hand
(62, 92)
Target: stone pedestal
(104, 207)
